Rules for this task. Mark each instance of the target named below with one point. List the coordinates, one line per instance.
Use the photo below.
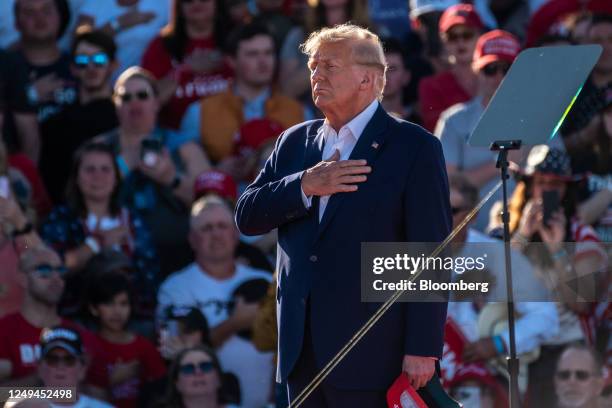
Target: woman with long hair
(95, 221)
(294, 76)
(195, 380)
(565, 253)
(186, 56)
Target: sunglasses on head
(580, 375)
(141, 95)
(98, 60)
(456, 36)
(191, 368)
(46, 270)
(492, 69)
(54, 360)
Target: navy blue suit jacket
(405, 198)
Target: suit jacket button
(313, 258)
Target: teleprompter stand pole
(503, 147)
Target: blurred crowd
(130, 127)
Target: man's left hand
(419, 370)
(480, 350)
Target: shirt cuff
(306, 200)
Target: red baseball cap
(460, 14)
(217, 182)
(496, 45)
(254, 134)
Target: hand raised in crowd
(204, 61)
(162, 171)
(418, 369)
(531, 219)
(113, 237)
(553, 233)
(134, 18)
(479, 350)
(122, 372)
(244, 314)
(11, 213)
(334, 176)
(46, 86)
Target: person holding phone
(186, 59)
(159, 189)
(94, 221)
(543, 210)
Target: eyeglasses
(464, 35)
(54, 360)
(141, 95)
(191, 368)
(492, 69)
(46, 270)
(580, 375)
(98, 60)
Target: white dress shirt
(344, 141)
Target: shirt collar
(358, 123)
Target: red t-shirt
(19, 343)
(191, 86)
(438, 93)
(152, 367)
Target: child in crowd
(126, 360)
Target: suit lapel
(368, 146)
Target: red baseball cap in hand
(217, 182)
(254, 134)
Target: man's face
(95, 75)
(255, 60)
(602, 34)
(491, 75)
(38, 20)
(59, 368)
(460, 41)
(334, 77)
(213, 234)
(44, 285)
(577, 384)
(397, 76)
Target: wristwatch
(93, 244)
(32, 95)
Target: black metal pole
(513, 363)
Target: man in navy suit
(358, 176)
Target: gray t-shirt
(453, 129)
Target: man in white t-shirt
(63, 365)
(211, 283)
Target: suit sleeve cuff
(306, 200)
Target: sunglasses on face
(53, 360)
(492, 69)
(456, 36)
(98, 60)
(141, 95)
(191, 368)
(580, 375)
(46, 270)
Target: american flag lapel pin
(375, 145)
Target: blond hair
(366, 48)
(206, 202)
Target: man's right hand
(334, 176)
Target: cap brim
(488, 59)
(59, 344)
